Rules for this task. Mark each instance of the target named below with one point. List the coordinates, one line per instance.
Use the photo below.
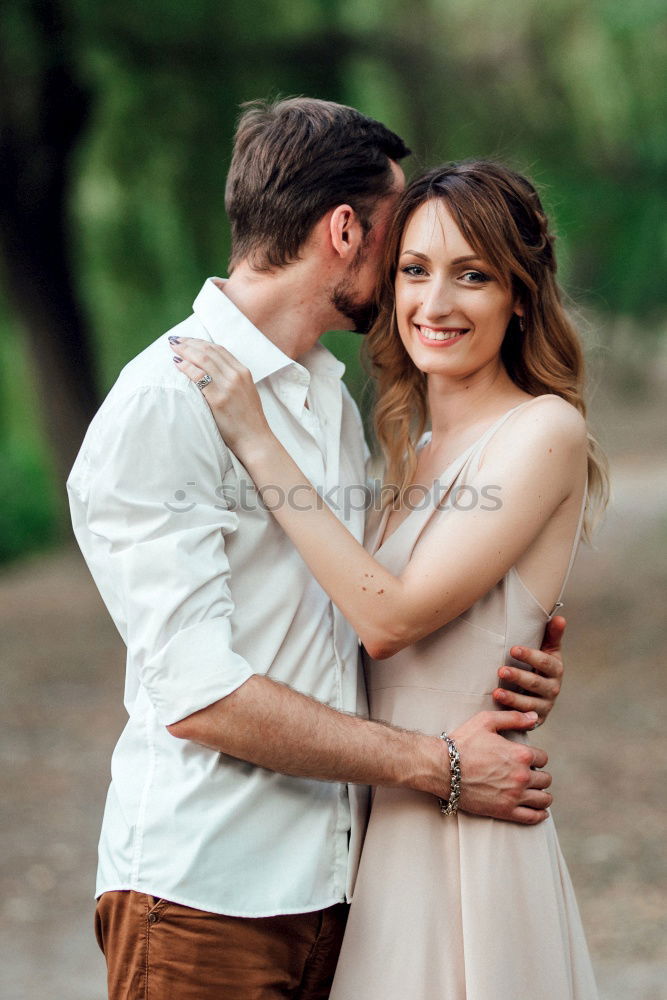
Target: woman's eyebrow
(463, 260)
(415, 253)
(454, 263)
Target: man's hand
(497, 776)
(541, 685)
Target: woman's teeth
(440, 334)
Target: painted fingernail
(174, 340)
(177, 359)
(505, 672)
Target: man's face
(353, 296)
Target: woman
(465, 563)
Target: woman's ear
(345, 232)
(518, 311)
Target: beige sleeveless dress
(458, 908)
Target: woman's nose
(438, 303)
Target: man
(236, 811)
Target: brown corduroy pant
(158, 950)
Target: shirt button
(152, 917)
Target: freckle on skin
(380, 591)
(363, 588)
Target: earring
(522, 325)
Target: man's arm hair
(269, 724)
(273, 726)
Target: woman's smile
(447, 296)
(441, 336)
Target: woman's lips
(442, 336)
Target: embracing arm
(163, 570)
(240, 419)
(469, 550)
(389, 612)
(273, 726)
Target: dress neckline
(381, 539)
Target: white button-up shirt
(206, 590)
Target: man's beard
(361, 313)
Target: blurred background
(116, 123)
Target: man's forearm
(273, 726)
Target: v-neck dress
(458, 907)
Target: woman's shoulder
(556, 414)
(544, 421)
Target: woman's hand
(231, 393)
(541, 681)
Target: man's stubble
(344, 298)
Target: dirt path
(62, 670)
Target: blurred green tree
(44, 108)
(116, 125)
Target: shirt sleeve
(149, 513)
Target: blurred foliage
(575, 94)
(28, 503)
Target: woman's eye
(413, 270)
(475, 277)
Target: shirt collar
(320, 361)
(228, 326)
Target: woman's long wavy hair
(500, 214)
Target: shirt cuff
(196, 668)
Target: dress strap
(573, 551)
(479, 446)
(374, 540)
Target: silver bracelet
(449, 807)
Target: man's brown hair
(293, 161)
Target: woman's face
(452, 313)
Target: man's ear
(345, 232)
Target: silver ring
(203, 381)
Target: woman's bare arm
(389, 612)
